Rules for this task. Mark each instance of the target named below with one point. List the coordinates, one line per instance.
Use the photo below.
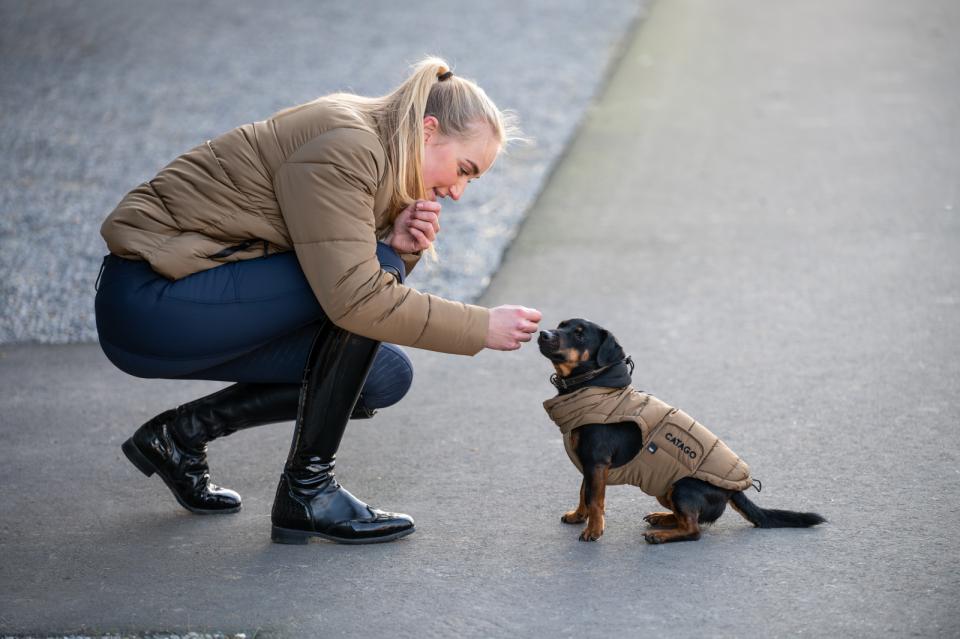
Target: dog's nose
(544, 335)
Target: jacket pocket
(242, 246)
(672, 439)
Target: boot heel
(287, 536)
(136, 457)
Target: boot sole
(289, 536)
(145, 466)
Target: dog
(615, 435)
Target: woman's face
(449, 163)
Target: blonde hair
(458, 104)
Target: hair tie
(444, 76)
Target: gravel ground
(99, 95)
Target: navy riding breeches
(247, 321)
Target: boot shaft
(234, 408)
(337, 367)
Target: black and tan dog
(617, 435)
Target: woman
(274, 256)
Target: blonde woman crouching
(274, 256)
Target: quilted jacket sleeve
(326, 192)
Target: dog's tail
(771, 518)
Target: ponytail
(408, 104)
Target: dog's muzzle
(549, 342)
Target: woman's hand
(416, 228)
(511, 325)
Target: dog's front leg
(578, 515)
(595, 491)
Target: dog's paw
(653, 538)
(661, 519)
(590, 535)
(572, 517)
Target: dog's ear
(610, 350)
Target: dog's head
(579, 346)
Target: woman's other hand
(510, 326)
(416, 228)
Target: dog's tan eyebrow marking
(585, 356)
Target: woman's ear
(430, 127)
(610, 351)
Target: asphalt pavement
(763, 206)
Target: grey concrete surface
(762, 206)
(97, 95)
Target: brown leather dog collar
(566, 383)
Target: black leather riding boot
(309, 501)
(174, 443)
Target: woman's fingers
(529, 327)
(416, 227)
(511, 326)
(534, 316)
(428, 212)
(425, 228)
(427, 205)
(409, 210)
(419, 238)
(526, 331)
(528, 323)
(429, 217)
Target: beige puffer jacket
(674, 444)
(313, 179)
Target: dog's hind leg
(686, 510)
(662, 519)
(687, 530)
(595, 491)
(578, 515)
